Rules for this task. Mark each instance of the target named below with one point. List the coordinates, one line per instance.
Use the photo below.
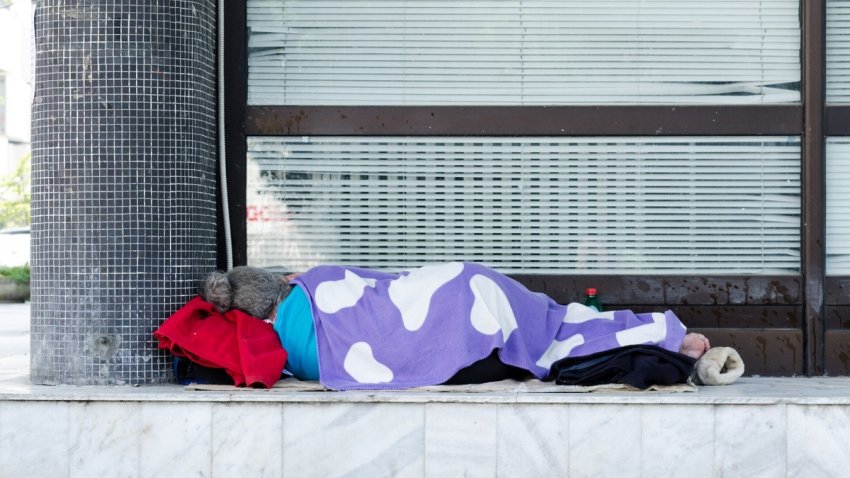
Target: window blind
(838, 51)
(630, 205)
(522, 52)
(838, 206)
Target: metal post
(814, 195)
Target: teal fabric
(294, 325)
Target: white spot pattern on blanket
(361, 364)
(491, 310)
(559, 349)
(580, 313)
(653, 332)
(333, 296)
(412, 293)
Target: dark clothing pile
(640, 366)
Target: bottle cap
(590, 291)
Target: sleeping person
(356, 328)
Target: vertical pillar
(813, 225)
(123, 182)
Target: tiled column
(123, 182)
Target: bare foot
(695, 345)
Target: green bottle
(591, 301)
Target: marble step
(771, 427)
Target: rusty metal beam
(838, 317)
(837, 356)
(813, 175)
(525, 120)
(770, 352)
(732, 317)
(619, 290)
(837, 290)
(837, 120)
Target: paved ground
(14, 340)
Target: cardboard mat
(505, 386)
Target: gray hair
(252, 290)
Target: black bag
(186, 372)
(640, 366)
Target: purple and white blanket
(377, 330)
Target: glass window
(522, 52)
(838, 51)
(629, 205)
(838, 206)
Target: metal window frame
(523, 120)
(779, 323)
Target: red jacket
(247, 348)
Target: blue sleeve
(294, 325)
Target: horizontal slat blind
(702, 205)
(522, 52)
(838, 51)
(838, 206)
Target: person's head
(252, 290)
(695, 345)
